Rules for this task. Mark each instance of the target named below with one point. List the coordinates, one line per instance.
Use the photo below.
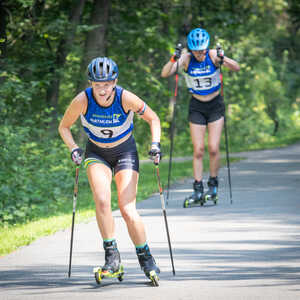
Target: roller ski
(112, 267)
(212, 193)
(148, 264)
(197, 198)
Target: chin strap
(110, 94)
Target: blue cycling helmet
(198, 39)
(102, 69)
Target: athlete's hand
(220, 53)
(77, 156)
(155, 153)
(177, 53)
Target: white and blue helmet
(102, 69)
(198, 39)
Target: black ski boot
(148, 264)
(112, 257)
(212, 193)
(112, 267)
(196, 197)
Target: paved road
(246, 250)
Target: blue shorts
(203, 113)
(123, 156)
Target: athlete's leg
(214, 138)
(100, 177)
(198, 135)
(126, 181)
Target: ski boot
(196, 197)
(112, 267)
(148, 264)
(212, 193)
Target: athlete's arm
(170, 67)
(227, 62)
(77, 106)
(132, 102)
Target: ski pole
(173, 127)
(165, 215)
(225, 128)
(73, 217)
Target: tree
(95, 42)
(61, 54)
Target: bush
(35, 173)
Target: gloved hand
(155, 153)
(220, 53)
(177, 53)
(77, 156)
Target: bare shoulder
(79, 103)
(213, 56)
(185, 59)
(129, 96)
(81, 98)
(212, 52)
(131, 101)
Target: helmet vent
(101, 69)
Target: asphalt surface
(249, 249)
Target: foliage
(262, 99)
(34, 174)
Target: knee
(102, 204)
(213, 150)
(199, 152)
(129, 214)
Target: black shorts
(123, 156)
(203, 113)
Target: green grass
(271, 143)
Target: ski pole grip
(179, 46)
(220, 53)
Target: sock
(142, 247)
(109, 242)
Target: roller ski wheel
(211, 198)
(190, 202)
(196, 198)
(101, 274)
(154, 278)
(212, 193)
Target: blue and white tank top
(106, 124)
(202, 78)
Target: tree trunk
(95, 43)
(61, 54)
(3, 37)
(183, 30)
(276, 127)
